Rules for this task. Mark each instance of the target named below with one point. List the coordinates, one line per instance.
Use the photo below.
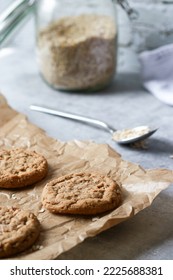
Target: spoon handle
(83, 119)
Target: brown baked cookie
(81, 193)
(21, 168)
(19, 229)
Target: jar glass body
(76, 43)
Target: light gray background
(149, 235)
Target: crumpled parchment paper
(59, 233)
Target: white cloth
(157, 72)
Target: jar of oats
(76, 43)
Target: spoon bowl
(129, 136)
(124, 137)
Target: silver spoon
(125, 136)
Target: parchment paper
(59, 233)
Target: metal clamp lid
(12, 16)
(133, 14)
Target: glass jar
(76, 43)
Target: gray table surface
(148, 235)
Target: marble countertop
(148, 235)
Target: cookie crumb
(5, 194)
(13, 196)
(42, 210)
(37, 247)
(95, 219)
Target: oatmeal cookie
(19, 229)
(81, 193)
(21, 168)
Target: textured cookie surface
(20, 168)
(18, 230)
(81, 193)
